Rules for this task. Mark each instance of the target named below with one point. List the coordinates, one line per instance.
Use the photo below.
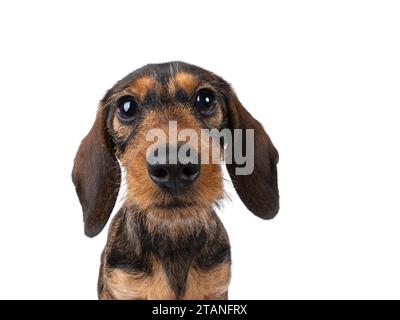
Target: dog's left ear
(258, 190)
(96, 175)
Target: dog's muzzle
(173, 173)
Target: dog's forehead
(174, 81)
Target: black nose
(174, 176)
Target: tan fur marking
(186, 81)
(124, 285)
(216, 119)
(122, 131)
(143, 85)
(105, 296)
(208, 285)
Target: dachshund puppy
(166, 242)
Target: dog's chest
(157, 266)
(199, 284)
(166, 269)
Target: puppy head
(155, 122)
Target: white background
(322, 76)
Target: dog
(166, 242)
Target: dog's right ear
(96, 176)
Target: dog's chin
(165, 199)
(189, 199)
(170, 201)
(173, 205)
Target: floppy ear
(96, 176)
(258, 190)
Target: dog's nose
(174, 176)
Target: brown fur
(141, 190)
(209, 285)
(201, 285)
(155, 250)
(122, 131)
(186, 81)
(96, 176)
(263, 201)
(143, 85)
(123, 285)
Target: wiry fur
(162, 245)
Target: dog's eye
(205, 102)
(127, 108)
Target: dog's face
(154, 98)
(174, 100)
